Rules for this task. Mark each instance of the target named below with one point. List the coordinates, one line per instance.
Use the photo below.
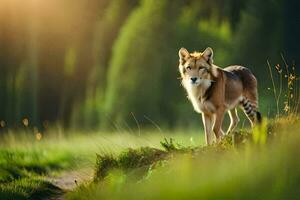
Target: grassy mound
(131, 159)
(261, 165)
(144, 158)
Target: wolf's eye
(188, 68)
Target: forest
(108, 64)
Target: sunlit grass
(26, 161)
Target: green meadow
(26, 163)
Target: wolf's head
(196, 68)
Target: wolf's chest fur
(196, 94)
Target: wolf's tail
(251, 110)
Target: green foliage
(260, 133)
(144, 156)
(103, 165)
(168, 145)
(250, 50)
(106, 31)
(129, 83)
(107, 28)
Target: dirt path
(69, 180)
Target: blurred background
(113, 64)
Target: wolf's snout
(194, 79)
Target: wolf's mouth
(195, 83)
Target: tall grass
(285, 87)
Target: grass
(258, 165)
(264, 167)
(25, 161)
(28, 188)
(261, 165)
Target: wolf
(213, 91)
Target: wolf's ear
(208, 55)
(183, 55)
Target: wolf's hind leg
(218, 124)
(234, 120)
(223, 133)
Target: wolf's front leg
(208, 122)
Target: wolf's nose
(193, 79)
